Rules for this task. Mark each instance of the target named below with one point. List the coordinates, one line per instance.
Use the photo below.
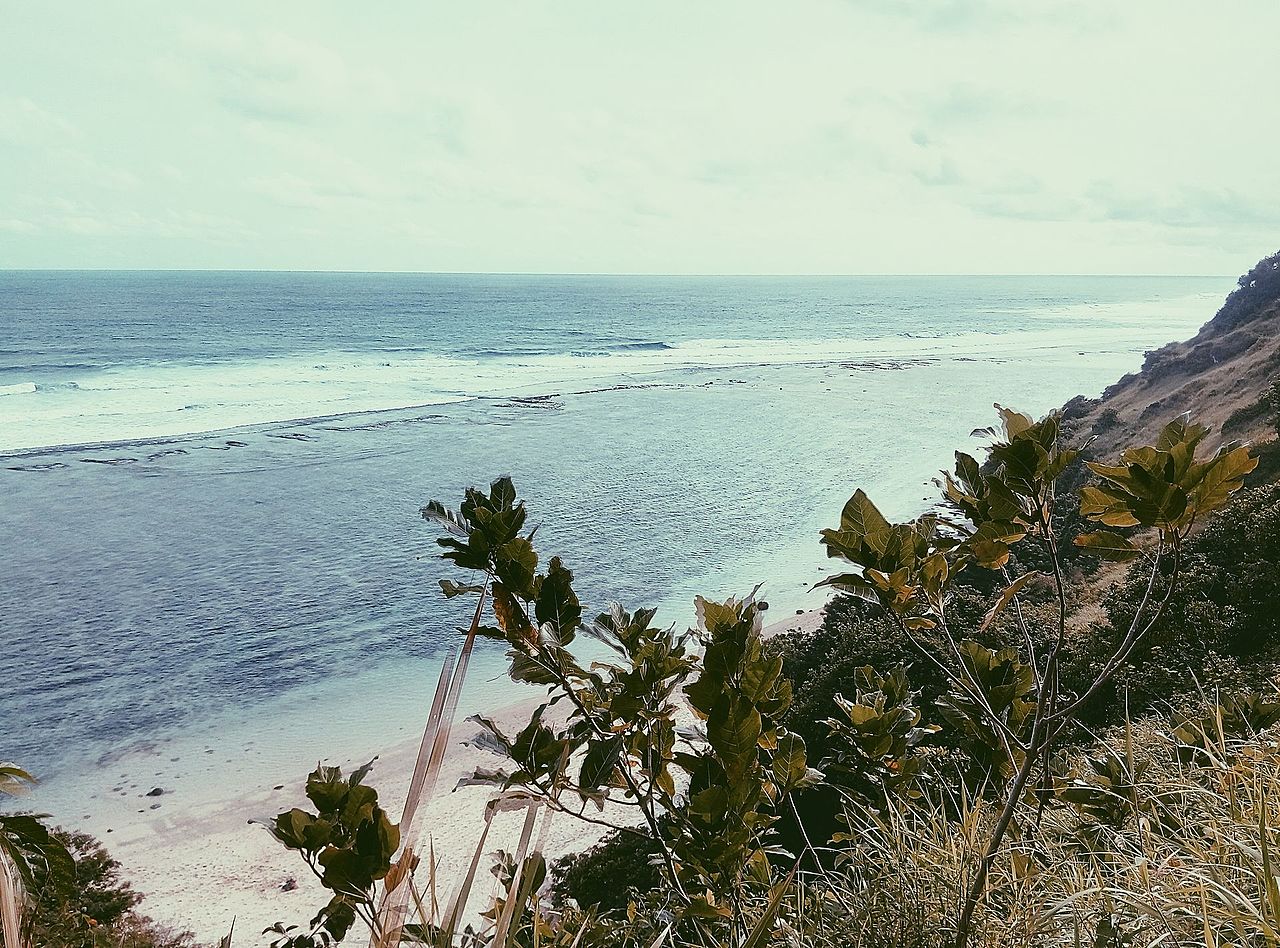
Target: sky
(860, 136)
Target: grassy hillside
(1226, 374)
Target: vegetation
(30, 857)
(964, 753)
(1254, 291)
(61, 889)
(1220, 628)
(93, 907)
(946, 704)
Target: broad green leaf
(452, 589)
(789, 764)
(734, 731)
(714, 616)
(599, 762)
(1108, 545)
(290, 828)
(557, 603)
(1015, 422)
(989, 544)
(1223, 477)
(511, 616)
(326, 789)
(515, 564)
(759, 677)
(14, 781)
(1107, 506)
(1181, 431)
(968, 471)
(530, 669)
(860, 516)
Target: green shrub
(617, 870)
(1221, 630)
(92, 907)
(824, 663)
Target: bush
(93, 907)
(1254, 291)
(617, 870)
(1221, 630)
(824, 663)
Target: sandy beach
(200, 863)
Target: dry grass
(1189, 860)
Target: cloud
(835, 136)
(1186, 206)
(965, 16)
(273, 76)
(965, 104)
(1179, 207)
(23, 122)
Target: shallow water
(272, 586)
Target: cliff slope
(1226, 375)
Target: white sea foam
(168, 399)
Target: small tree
(707, 799)
(347, 843)
(1011, 703)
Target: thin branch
(1132, 638)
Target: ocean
(210, 482)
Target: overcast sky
(866, 136)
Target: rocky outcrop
(1226, 375)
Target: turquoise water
(209, 483)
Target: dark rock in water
(762, 606)
(289, 884)
(155, 792)
(155, 806)
(799, 612)
(278, 786)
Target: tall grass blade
(515, 893)
(10, 905)
(458, 904)
(426, 775)
(662, 937)
(764, 925)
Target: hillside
(1225, 374)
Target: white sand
(201, 863)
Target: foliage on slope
(1225, 373)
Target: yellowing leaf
(1015, 422)
(1108, 545)
(1006, 597)
(1224, 476)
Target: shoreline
(199, 862)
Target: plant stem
(979, 882)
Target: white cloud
(827, 136)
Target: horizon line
(592, 273)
